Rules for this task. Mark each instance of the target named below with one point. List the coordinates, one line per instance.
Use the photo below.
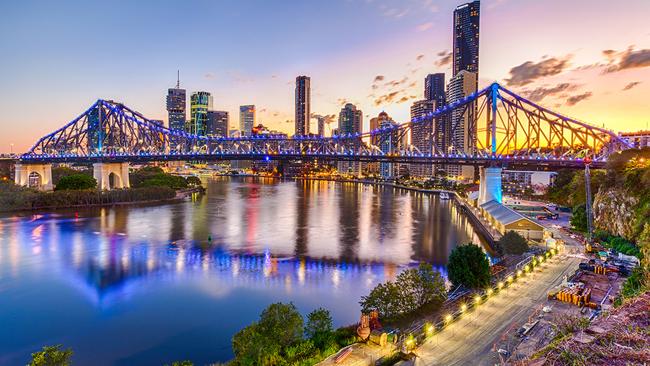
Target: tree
(281, 322)
(319, 328)
(384, 298)
(250, 347)
(412, 290)
(51, 356)
(265, 342)
(64, 171)
(512, 243)
(165, 180)
(76, 182)
(421, 286)
(468, 266)
(579, 218)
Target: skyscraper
(200, 103)
(463, 120)
(176, 104)
(434, 90)
(466, 37)
(422, 134)
(217, 125)
(246, 119)
(321, 125)
(303, 105)
(350, 120)
(388, 143)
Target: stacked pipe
(576, 296)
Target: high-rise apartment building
(217, 125)
(303, 105)
(350, 120)
(200, 103)
(246, 119)
(463, 121)
(376, 123)
(466, 37)
(434, 90)
(176, 106)
(321, 125)
(422, 134)
(388, 143)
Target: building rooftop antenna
(178, 79)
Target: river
(148, 285)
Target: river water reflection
(148, 285)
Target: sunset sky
(589, 59)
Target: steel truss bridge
(500, 128)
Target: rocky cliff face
(614, 212)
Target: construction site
(572, 311)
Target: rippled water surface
(148, 285)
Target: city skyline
(593, 76)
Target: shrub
(76, 182)
(468, 266)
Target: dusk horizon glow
(575, 59)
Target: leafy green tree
(384, 298)
(319, 328)
(579, 218)
(282, 322)
(421, 286)
(51, 356)
(413, 289)
(165, 180)
(64, 171)
(512, 243)
(266, 342)
(76, 182)
(250, 346)
(468, 266)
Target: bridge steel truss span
(490, 127)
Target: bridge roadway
(470, 340)
(511, 162)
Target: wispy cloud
(573, 100)
(531, 71)
(209, 75)
(424, 26)
(444, 58)
(538, 94)
(628, 59)
(631, 85)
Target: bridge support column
(111, 175)
(490, 185)
(34, 175)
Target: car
(541, 217)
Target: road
(470, 340)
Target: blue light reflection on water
(143, 285)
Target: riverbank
(16, 199)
